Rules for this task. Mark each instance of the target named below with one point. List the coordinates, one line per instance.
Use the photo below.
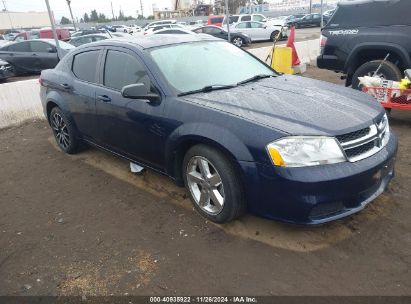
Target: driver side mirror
(138, 91)
(408, 74)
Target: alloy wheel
(60, 130)
(205, 185)
(238, 41)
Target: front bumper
(318, 194)
(6, 72)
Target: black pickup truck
(362, 33)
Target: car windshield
(206, 63)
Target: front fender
(207, 133)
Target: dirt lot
(83, 224)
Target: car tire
(213, 184)
(297, 26)
(273, 35)
(238, 41)
(64, 131)
(388, 71)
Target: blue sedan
(238, 135)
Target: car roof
(151, 41)
(91, 35)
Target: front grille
(365, 142)
(353, 135)
(360, 149)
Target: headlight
(301, 151)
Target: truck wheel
(387, 71)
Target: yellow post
(282, 60)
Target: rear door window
(122, 69)
(40, 47)
(246, 18)
(85, 65)
(19, 47)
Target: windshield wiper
(255, 78)
(208, 88)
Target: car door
(44, 56)
(79, 89)
(259, 31)
(316, 21)
(306, 21)
(245, 28)
(131, 127)
(18, 55)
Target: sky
(79, 7)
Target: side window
(212, 30)
(198, 31)
(19, 47)
(246, 18)
(85, 65)
(242, 25)
(39, 47)
(122, 69)
(258, 18)
(98, 38)
(256, 25)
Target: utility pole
(311, 6)
(8, 13)
(53, 29)
(322, 17)
(71, 14)
(112, 10)
(141, 6)
(227, 17)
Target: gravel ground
(84, 225)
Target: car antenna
(380, 66)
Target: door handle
(104, 98)
(34, 54)
(65, 86)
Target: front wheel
(63, 131)
(238, 41)
(274, 35)
(213, 184)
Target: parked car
(286, 20)
(11, 33)
(135, 28)
(33, 56)
(119, 34)
(310, 20)
(215, 20)
(237, 38)
(27, 35)
(360, 35)
(246, 17)
(259, 31)
(237, 134)
(121, 28)
(155, 28)
(89, 31)
(77, 41)
(172, 31)
(62, 33)
(6, 70)
(162, 22)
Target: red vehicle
(215, 20)
(62, 34)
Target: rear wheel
(63, 131)
(213, 184)
(387, 71)
(238, 41)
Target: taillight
(323, 41)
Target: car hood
(295, 105)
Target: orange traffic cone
(290, 43)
